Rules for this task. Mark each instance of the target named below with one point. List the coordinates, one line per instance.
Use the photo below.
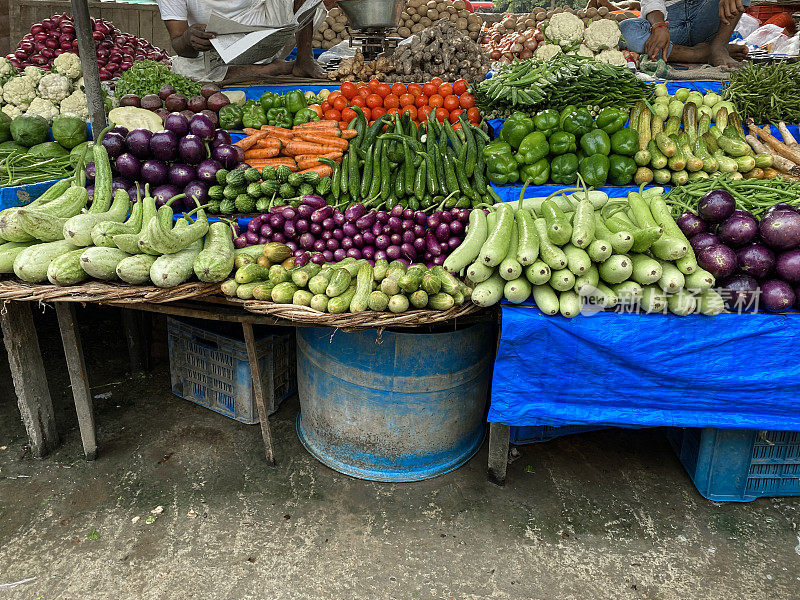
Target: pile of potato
(332, 31)
(421, 14)
(533, 19)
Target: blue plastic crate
(208, 365)
(543, 433)
(739, 465)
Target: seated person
(186, 23)
(687, 32)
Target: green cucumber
(538, 273)
(450, 285)
(441, 301)
(495, 248)
(302, 298)
(228, 287)
(252, 272)
(319, 282)
(489, 292)
(31, 263)
(8, 252)
(101, 262)
(338, 284)
(262, 290)
(378, 301)
(419, 299)
(319, 302)
(616, 269)
(360, 300)
(468, 250)
(569, 304)
(398, 303)
(341, 303)
(548, 252)
(380, 269)
(283, 292)
(432, 284)
(66, 269)
(546, 299)
(517, 290)
(136, 269)
(411, 281)
(527, 238)
(245, 290)
(276, 274)
(301, 276)
(578, 260)
(174, 269)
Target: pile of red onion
(116, 51)
(505, 47)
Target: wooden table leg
(76, 367)
(258, 391)
(133, 323)
(30, 380)
(499, 438)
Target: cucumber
(538, 273)
(510, 268)
(671, 279)
(432, 284)
(101, 262)
(468, 250)
(320, 302)
(245, 290)
(549, 253)
(351, 266)
(558, 228)
(621, 242)
(276, 252)
(389, 286)
(301, 276)
(136, 269)
(478, 272)
(578, 260)
(127, 242)
(681, 303)
(398, 303)
(441, 301)
(628, 293)
(319, 282)
(338, 284)
(546, 299)
(699, 281)
(262, 290)
(517, 291)
(252, 251)
(215, 261)
(569, 304)
(227, 287)
(583, 224)
(527, 239)
(450, 285)
(495, 248)
(283, 292)
(644, 238)
(78, 229)
(419, 299)
(341, 303)
(31, 263)
(380, 269)
(360, 300)
(378, 301)
(654, 300)
(8, 252)
(489, 292)
(588, 281)
(66, 269)
(645, 269)
(252, 272)
(276, 273)
(302, 298)
(411, 281)
(174, 269)
(711, 303)
(600, 250)
(41, 225)
(616, 269)
(562, 280)
(669, 248)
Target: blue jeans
(690, 23)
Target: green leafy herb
(93, 535)
(147, 77)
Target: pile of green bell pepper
(271, 109)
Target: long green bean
(767, 93)
(754, 195)
(19, 168)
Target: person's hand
(657, 45)
(197, 38)
(729, 9)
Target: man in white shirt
(186, 23)
(687, 31)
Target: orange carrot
(349, 134)
(250, 131)
(261, 153)
(309, 160)
(323, 170)
(278, 131)
(325, 140)
(250, 141)
(260, 163)
(269, 142)
(304, 147)
(318, 125)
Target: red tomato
(423, 112)
(391, 101)
(466, 100)
(333, 96)
(398, 89)
(373, 85)
(358, 101)
(393, 111)
(406, 100)
(415, 89)
(411, 110)
(453, 115)
(442, 114)
(367, 113)
(373, 101)
(450, 102)
(348, 114)
(317, 109)
(377, 112)
(437, 81)
(421, 101)
(459, 87)
(445, 90)
(429, 89)
(363, 91)
(333, 115)
(325, 106)
(435, 101)
(349, 90)
(383, 90)
(340, 103)
(474, 115)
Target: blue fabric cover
(727, 371)
(23, 194)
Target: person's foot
(276, 67)
(737, 51)
(719, 56)
(308, 68)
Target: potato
(425, 22)
(431, 5)
(335, 12)
(338, 27)
(461, 24)
(409, 23)
(328, 34)
(441, 6)
(459, 4)
(602, 11)
(473, 18)
(591, 12)
(454, 19)
(417, 28)
(415, 18)
(404, 15)
(476, 27)
(433, 14)
(411, 10)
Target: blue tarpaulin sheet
(727, 371)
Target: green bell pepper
(621, 169)
(305, 115)
(611, 119)
(536, 174)
(625, 142)
(230, 117)
(271, 100)
(562, 142)
(565, 112)
(564, 168)
(515, 128)
(253, 115)
(501, 166)
(546, 121)
(596, 142)
(578, 122)
(533, 148)
(594, 169)
(279, 117)
(295, 101)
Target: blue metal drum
(394, 406)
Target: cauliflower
(602, 35)
(19, 91)
(80, 85)
(565, 29)
(547, 51)
(43, 108)
(612, 57)
(68, 64)
(54, 87)
(582, 50)
(12, 111)
(7, 70)
(35, 73)
(75, 104)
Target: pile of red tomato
(377, 99)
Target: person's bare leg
(246, 73)
(737, 51)
(719, 53)
(689, 54)
(305, 65)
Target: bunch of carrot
(299, 148)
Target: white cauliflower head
(43, 108)
(547, 51)
(54, 87)
(19, 91)
(612, 57)
(582, 50)
(602, 35)
(80, 85)
(12, 111)
(68, 64)
(7, 70)
(565, 29)
(75, 104)
(34, 72)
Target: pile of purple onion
(748, 258)
(320, 233)
(183, 158)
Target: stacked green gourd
(54, 239)
(568, 251)
(347, 286)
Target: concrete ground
(180, 505)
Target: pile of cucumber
(570, 251)
(54, 239)
(268, 273)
